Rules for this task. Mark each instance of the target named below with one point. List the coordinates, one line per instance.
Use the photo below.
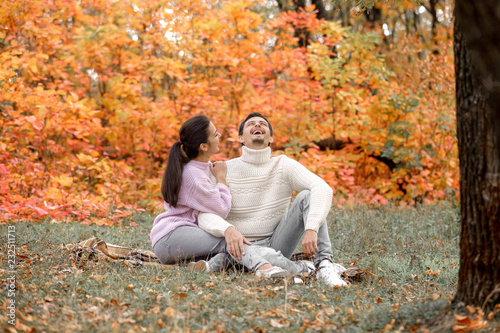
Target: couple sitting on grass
(246, 216)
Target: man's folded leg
(289, 233)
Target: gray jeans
(185, 243)
(278, 248)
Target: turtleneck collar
(256, 156)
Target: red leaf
(37, 123)
(40, 211)
(3, 169)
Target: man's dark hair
(251, 115)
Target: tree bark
(477, 70)
(320, 7)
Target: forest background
(93, 94)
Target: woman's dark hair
(193, 133)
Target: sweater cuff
(314, 225)
(213, 224)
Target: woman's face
(213, 139)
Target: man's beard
(258, 141)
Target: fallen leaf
(276, 312)
(322, 296)
(170, 312)
(464, 323)
(471, 309)
(435, 296)
(389, 326)
(279, 323)
(181, 295)
(329, 311)
(126, 321)
(461, 319)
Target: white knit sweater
(261, 188)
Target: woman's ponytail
(193, 133)
(172, 177)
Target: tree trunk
(477, 70)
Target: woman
(187, 190)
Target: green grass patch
(412, 252)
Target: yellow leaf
(75, 96)
(65, 181)
(32, 65)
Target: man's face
(256, 133)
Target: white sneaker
(272, 272)
(200, 266)
(297, 280)
(329, 273)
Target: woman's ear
(203, 147)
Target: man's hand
(235, 240)
(310, 242)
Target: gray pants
(185, 243)
(278, 248)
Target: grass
(412, 252)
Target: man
(261, 188)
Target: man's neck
(256, 156)
(256, 147)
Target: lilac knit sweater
(196, 195)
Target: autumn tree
(477, 63)
(94, 92)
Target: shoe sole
(279, 275)
(274, 275)
(199, 266)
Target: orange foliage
(94, 92)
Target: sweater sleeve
(213, 224)
(300, 178)
(203, 197)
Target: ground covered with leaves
(413, 254)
